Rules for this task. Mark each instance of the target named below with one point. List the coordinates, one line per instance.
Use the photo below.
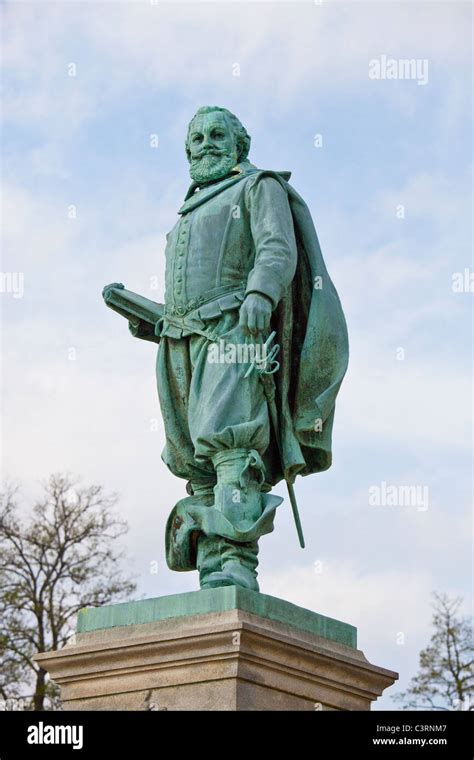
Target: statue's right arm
(144, 316)
(106, 288)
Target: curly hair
(241, 135)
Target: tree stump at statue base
(217, 649)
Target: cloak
(314, 351)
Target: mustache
(209, 152)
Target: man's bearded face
(213, 147)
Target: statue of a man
(243, 260)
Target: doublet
(233, 238)
(239, 240)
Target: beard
(210, 166)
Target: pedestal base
(218, 649)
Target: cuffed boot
(182, 530)
(237, 494)
(227, 544)
(239, 563)
(226, 563)
(208, 562)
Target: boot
(237, 494)
(208, 562)
(182, 530)
(226, 563)
(241, 511)
(229, 529)
(239, 563)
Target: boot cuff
(252, 467)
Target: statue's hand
(105, 290)
(255, 313)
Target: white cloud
(193, 47)
(408, 402)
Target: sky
(96, 101)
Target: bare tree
(62, 558)
(445, 680)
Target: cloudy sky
(384, 166)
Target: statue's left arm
(274, 240)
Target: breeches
(208, 405)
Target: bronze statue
(252, 352)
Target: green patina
(208, 601)
(243, 263)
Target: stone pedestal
(216, 649)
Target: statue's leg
(224, 555)
(229, 425)
(174, 371)
(226, 409)
(209, 562)
(217, 427)
(222, 562)
(173, 375)
(239, 562)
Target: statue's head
(215, 143)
